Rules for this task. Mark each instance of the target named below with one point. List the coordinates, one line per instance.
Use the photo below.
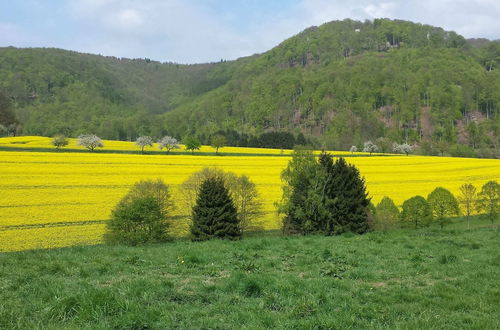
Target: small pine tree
(214, 215)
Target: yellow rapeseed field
(55, 199)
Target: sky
(196, 31)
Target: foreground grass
(403, 279)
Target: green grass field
(411, 279)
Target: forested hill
(338, 84)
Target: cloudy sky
(193, 31)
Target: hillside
(339, 84)
(405, 279)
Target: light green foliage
(387, 214)
(142, 215)
(467, 199)
(217, 142)
(443, 205)
(416, 213)
(266, 282)
(489, 199)
(192, 143)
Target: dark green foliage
(334, 85)
(142, 215)
(214, 215)
(8, 122)
(348, 199)
(443, 205)
(416, 212)
(7, 116)
(243, 191)
(60, 141)
(325, 196)
(387, 214)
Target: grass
(412, 279)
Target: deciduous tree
(370, 147)
(90, 141)
(443, 205)
(387, 214)
(142, 215)
(218, 141)
(169, 143)
(416, 212)
(59, 141)
(144, 141)
(488, 199)
(467, 199)
(192, 143)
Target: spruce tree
(214, 215)
(347, 197)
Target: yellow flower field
(40, 142)
(54, 199)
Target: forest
(333, 86)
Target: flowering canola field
(55, 199)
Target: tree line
(320, 196)
(339, 84)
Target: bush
(142, 215)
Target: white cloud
(170, 29)
(188, 31)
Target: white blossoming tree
(168, 143)
(90, 141)
(370, 147)
(144, 141)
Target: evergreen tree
(214, 215)
(348, 199)
(300, 178)
(324, 196)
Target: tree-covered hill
(339, 84)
